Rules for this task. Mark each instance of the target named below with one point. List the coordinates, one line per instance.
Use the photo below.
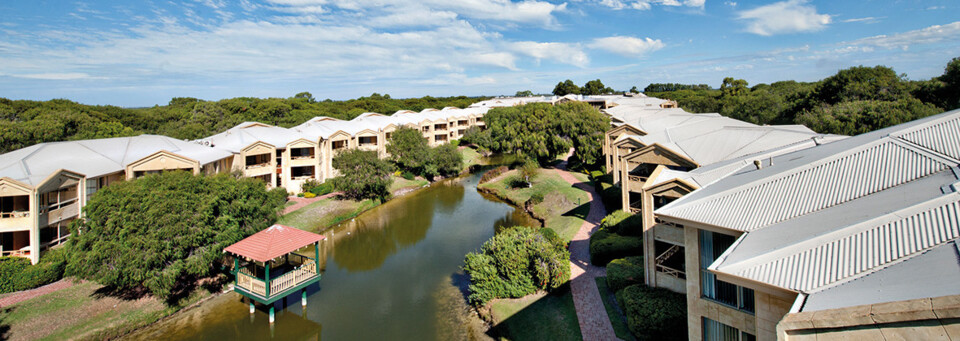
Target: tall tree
(594, 87)
(951, 81)
(408, 149)
(733, 87)
(162, 231)
(363, 175)
(565, 88)
(524, 93)
(448, 159)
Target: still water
(391, 274)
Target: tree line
(852, 101)
(24, 122)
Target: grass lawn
(564, 207)
(616, 318)
(537, 317)
(326, 212)
(470, 157)
(400, 182)
(81, 312)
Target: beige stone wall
(936, 318)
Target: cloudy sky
(133, 53)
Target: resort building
(43, 187)
(853, 238)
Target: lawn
(470, 157)
(613, 312)
(400, 182)
(537, 317)
(326, 212)
(82, 311)
(564, 207)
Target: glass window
(712, 245)
(716, 331)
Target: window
(301, 153)
(368, 140)
(712, 245)
(339, 144)
(716, 331)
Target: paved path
(301, 202)
(20, 296)
(594, 322)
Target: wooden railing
(251, 283)
(671, 271)
(293, 278)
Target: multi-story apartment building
(43, 187)
(852, 239)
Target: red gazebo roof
(273, 242)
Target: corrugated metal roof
(822, 184)
(941, 137)
(821, 264)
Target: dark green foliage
(535, 198)
(595, 87)
(565, 88)
(24, 123)
(322, 189)
(524, 93)
(363, 175)
(408, 175)
(408, 149)
(853, 101)
(161, 232)
(609, 193)
(17, 274)
(624, 272)
(606, 246)
(623, 222)
(516, 262)
(542, 131)
(447, 159)
(654, 313)
(664, 87)
(493, 173)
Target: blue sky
(132, 53)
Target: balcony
(59, 212)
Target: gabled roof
(273, 242)
(854, 213)
(245, 134)
(98, 157)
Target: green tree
(524, 93)
(565, 88)
(305, 95)
(634, 89)
(363, 175)
(408, 149)
(733, 87)
(447, 159)
(594, 87)
(516, 262)
(951, 81)
(160, 233)
(861, 83)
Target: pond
(391, 274)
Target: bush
(595, 174)
(17, 274)
(623, 223)
(408, 175)
(536, 198)
(454, 142)
(323, 189)
(308, 185)
(309, 195)
(516, 262)
(606, 246)
(654, 313)
(493, 173)
(624, 272)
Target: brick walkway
(594, 322)
(301, 202)
(20, 296)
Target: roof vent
(758, 163)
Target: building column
(34, 227)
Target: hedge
(623, 223)
(606, 246)
(624, 272)
(17, 274)
(493, 173)
(322, 189)
(654, 313)
(516, 262)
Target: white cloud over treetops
(627, 46)
(789, 16)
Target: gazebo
(267, 266)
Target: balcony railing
(637, 178)
(249, 282)
(258, 165)
(301, 157)
(671, 271)
(14, 214)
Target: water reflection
(389, 275)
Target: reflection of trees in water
(450, 197)
(387, 229)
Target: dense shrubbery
(17, 274)
(24, 123)
(609, 193)
(624, 272)
(543, 131)
(363, 174)
(517, 262)
(654, 313)
(618, 237)
(162, 232)
(493, 173)
(410, 152)
(853, 101)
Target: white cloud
(560, 52)
(627, 46)
(730, 3)
(643, 5)
(55, 76)
(868, 20)
(789, 16)
(931, 35)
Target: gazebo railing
(251, 283)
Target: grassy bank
(563, 208)
(85, 311)
(536, 317)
